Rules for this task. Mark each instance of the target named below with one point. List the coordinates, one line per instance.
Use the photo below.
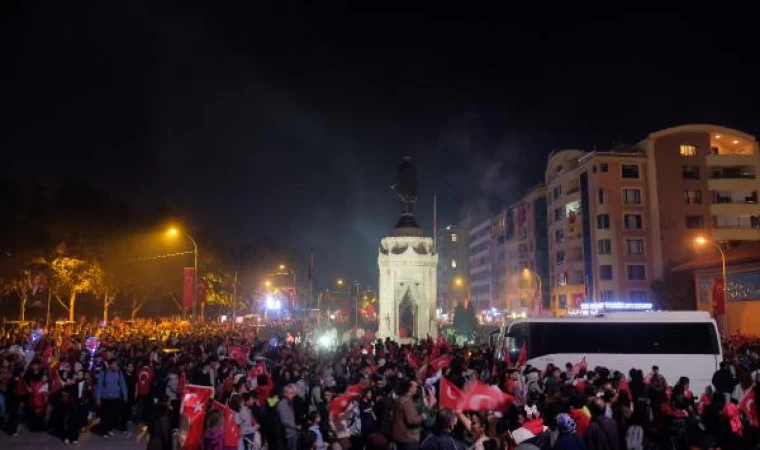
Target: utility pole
(234, 298)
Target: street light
(284, 270)
(268, 283)
(339, 282)
(701, 241)
(458, 283)
(527, 273)
(174, 232)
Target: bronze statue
(405, 186)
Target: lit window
(453, 237)
(453, 264)
(605, 272)
(693, 197)
(688, 150)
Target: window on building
(692, 197)
(607, 296)
(688, 150)
(562, 278)
(637, 272)
(632, 196)
(559, 235)
(601, 196)
(453, 263)
(560, 257)
(634, 246)
(605, 246)
(559, 214)
(603, 167)
(694, 222)
(638, 296)
(603, 221)
(690, 172)
(605, 272)
(630, 171)
(633, 221)
(562, 301)
(453, 237)
(557, 192)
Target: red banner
(719, 298)
(231, 428)
(188, 291)
(482, 397)
(450, 394)
(194, 409)
(440, 363)
(239, 353)
(749, 407)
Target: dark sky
(290, 124)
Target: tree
(72, 276)
(675, 291)
(464, 318)
(25, 278)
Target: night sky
(290, 124)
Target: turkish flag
(55, 382)
(440, 363)
(450, 394)
(144, 380)
(581, 365)
(749, 407)
(239, 353)
(231, 428)
(482, 397)
(411, 359)
(719, 298)
(522, 358)
(259, 369)
(194, 410)
(354, 389)
(340, 404)
(188, 288)
(507, 357)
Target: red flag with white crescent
(194, 409)
(440, 363)
(450, 394)
(522, 358)
(749, 407)
(188, 288)
(239, 353)
(482, 397)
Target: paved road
(43, 441)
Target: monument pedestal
(407, 294)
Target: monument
(407, 261)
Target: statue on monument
(405, 186)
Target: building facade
(452, 266)
(479, 248)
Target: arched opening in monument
(406, 316)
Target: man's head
(655, 370)
(129, 368)
(444, 422)
(288, 392)
(113, 364)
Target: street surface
(44, 441)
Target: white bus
(679, 343)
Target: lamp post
(527, 274)
(701, 241)
(356, 305)
(284, 270)
(172, 232)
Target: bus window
(517, 337)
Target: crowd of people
(267, 389)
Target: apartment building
(479, 247)
(526, 248)
(452, 266)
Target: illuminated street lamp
(284, 270)
(268, 283)
(459, 283)
(339, 282)
(173, 232)
(701, 241)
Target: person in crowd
(602, 433)
(567, 438)
(441, 437)
(723, 381)
(159, 427)
(406, 419)
(286, 413)
(110, 396)
(213, 437)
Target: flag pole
(435, 223)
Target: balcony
(722, 180)
(723, 160)
(736, 234)
(735, 209)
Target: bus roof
(654, 316)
